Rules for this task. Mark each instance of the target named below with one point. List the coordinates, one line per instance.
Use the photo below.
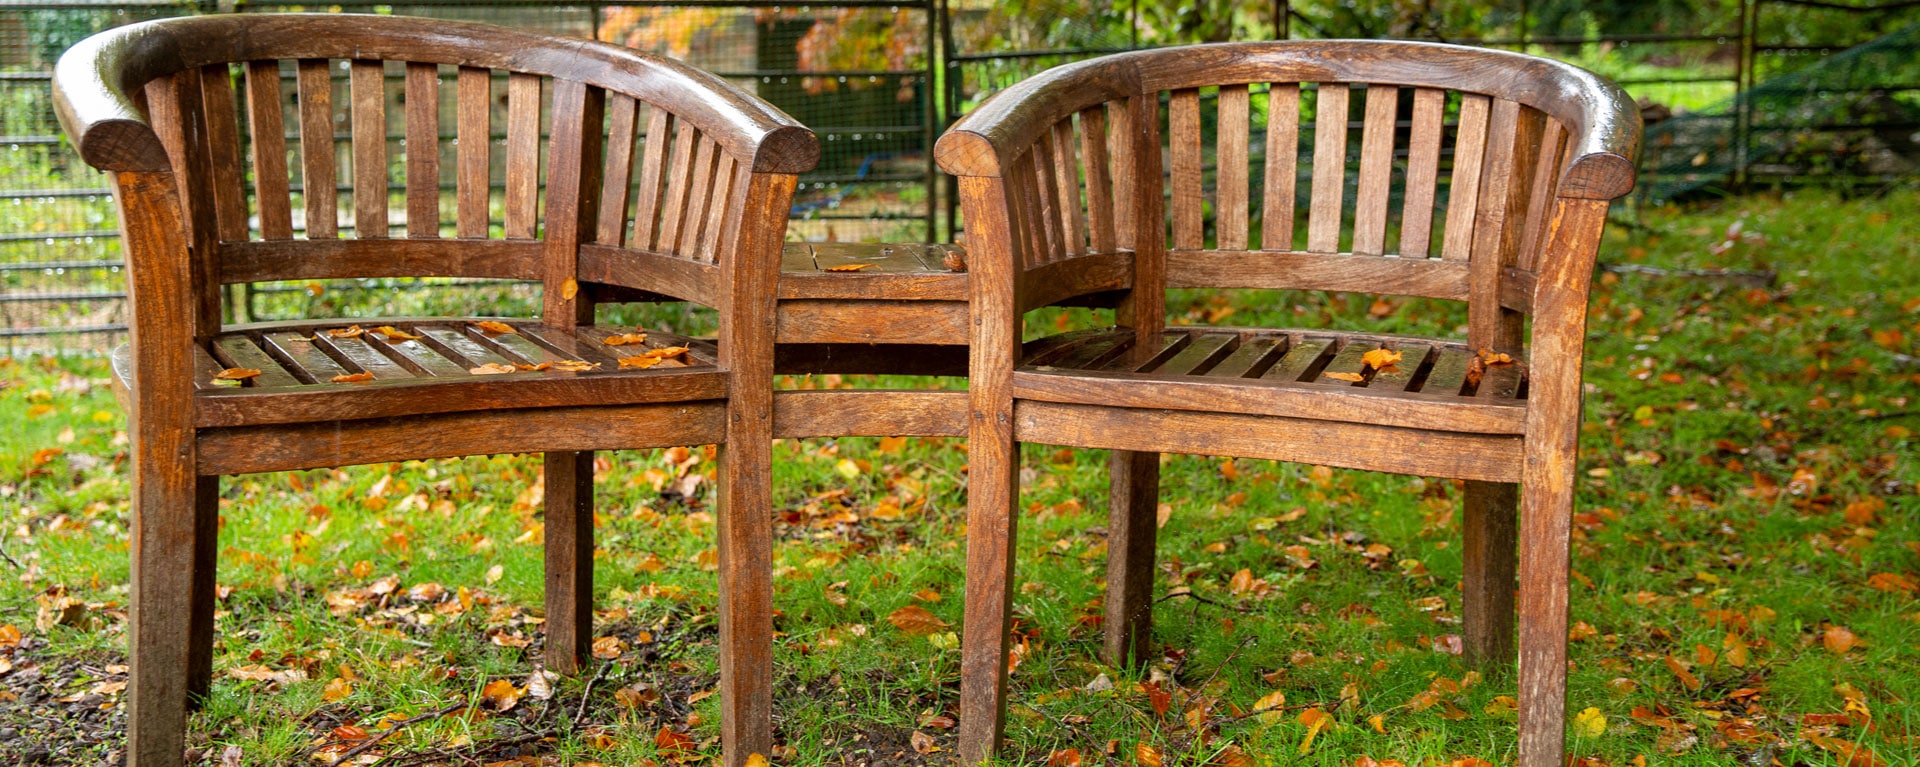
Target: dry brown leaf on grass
(916, 621)
(849, 267)
(495, 327)
(922, 743)
(236, 374)
(352, 377)
(501, 695)
(625, 339)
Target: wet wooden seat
(1397, 169)
(468, 151)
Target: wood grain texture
(1488, 556)
(1363, 446)
(1230, 152)
(317, 150)
(568, 479)
(223, 149)
(368, 92)
(1183, 149)
(653, 177)
(572, 199)
(179, 119)
(165, 525)
(1133, 505)
(423, 150)
(1316, 271)
(869, 413)
(1282, 172)
(623, 131)
(1463, 185)
(1329, 168)
(871, 322)
(1376, 170)
(473, 184)
(524, 96)
(264, 260)
(1423, 173)
(1066, 176)
(266, 126)
(253, 449)
(1101, 226)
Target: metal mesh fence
(878, 80)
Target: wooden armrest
(90, 94)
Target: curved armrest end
(90, 97)
(1598, 176)
(787, 149)
(965, 153)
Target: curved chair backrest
(1458, 150)
(310, 146)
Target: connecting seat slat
(1282, 373)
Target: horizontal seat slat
(239, 351)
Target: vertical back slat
(1183, 142)
(1511, 133)
(735, 205)
(1047, 200)
(223, 139)
(1423, 172)
(176, 109)
(475, 101)
(1463, 186)
(368, 89)
(1230, 180)
(686, 137)
(697, 198)
(1093, 149)
(1546, 178)
(1376, 170)
(573, 192)
(1066, 172)
(316, 149)
(653, 177)
(268, 128)
(423, 150)
(1329, 168)
(622, 126)
(1283, 166)
(523, 155)
(1027, 211)
(1120, 143)
(718, 202)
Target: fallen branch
(1189, 594)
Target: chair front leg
(993, 490)
(170, 636)
(1546, 514)
(746, 598)
(1132, 527)
(1488, 556)
(569, 555)
(206, 548)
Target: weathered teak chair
(206, 198)
(1063, 179)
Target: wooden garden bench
(656, 178)
(1479, 176)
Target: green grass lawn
(1746, 557)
